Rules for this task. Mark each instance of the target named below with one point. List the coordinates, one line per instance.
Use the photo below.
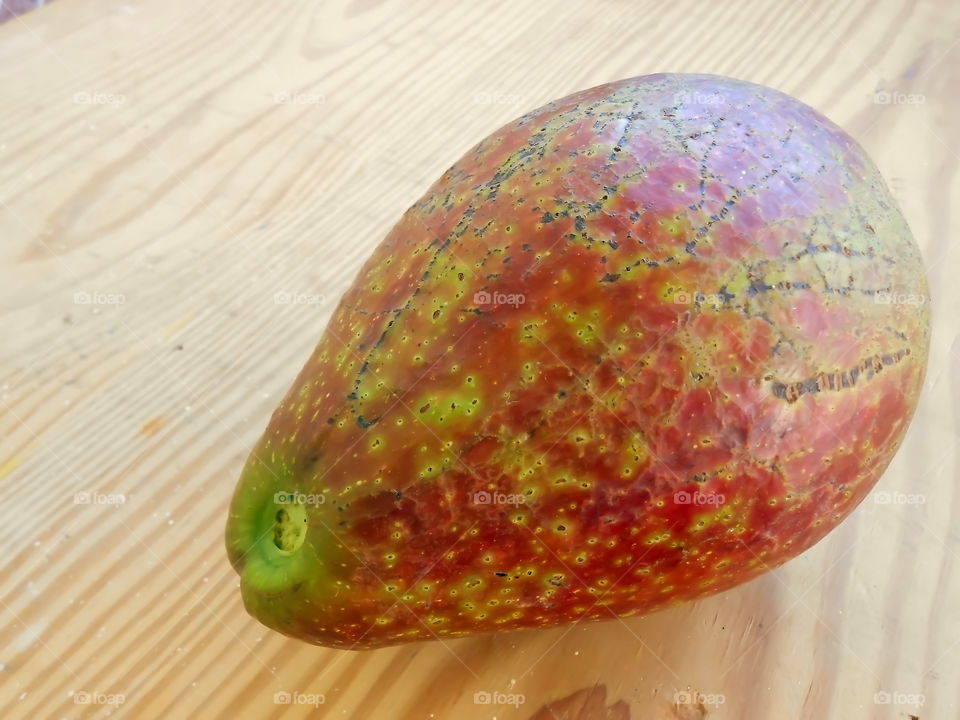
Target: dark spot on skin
(547, 218)
(362, 422)
(500, 574)
(836, 380)
(756, 287)
(610, 277)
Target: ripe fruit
(636, 347)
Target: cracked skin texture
(705, 268)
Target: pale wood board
(199, 198)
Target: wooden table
(167, 168)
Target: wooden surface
(145, 158)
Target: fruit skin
(712, 365)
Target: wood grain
(144, 157)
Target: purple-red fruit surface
(636, 347)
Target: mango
(639, 346)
